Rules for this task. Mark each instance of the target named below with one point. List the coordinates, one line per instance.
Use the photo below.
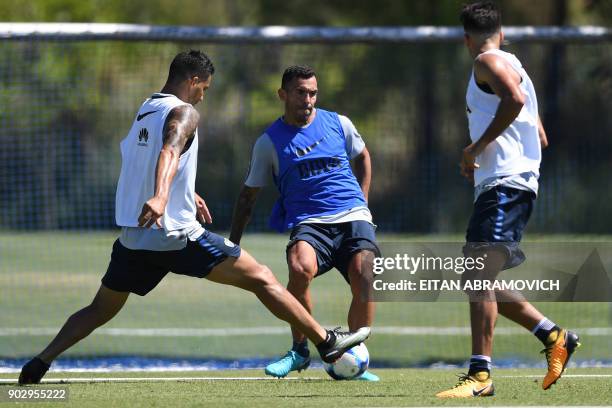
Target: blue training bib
(314, 176)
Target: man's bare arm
(542, 134)
(362, 166)
(179, 128)
(505, 82)
(242, 211)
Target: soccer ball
(352, 364)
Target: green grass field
(397, 388)
(44, 277)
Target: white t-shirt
(264, 164)
(517, 150)
(140, 153)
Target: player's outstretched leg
(561, 345)
(247, 274)
(104, 307)
(361, 312)
(302, 262)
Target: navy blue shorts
(335, 244)
(499, 218)
(139, 271)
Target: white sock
(544, 324)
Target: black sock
(40, 360)
(301, 348)
(544, 335)
(329, 341)
(479, 364)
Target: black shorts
(335, 244)
(499, 218)
(139, 271)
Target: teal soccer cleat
(292, 361)
(368, 376)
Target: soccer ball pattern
(352, 364)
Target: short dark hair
(188, 64)
(296, 71)
(481, 18)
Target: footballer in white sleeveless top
(517, 149)
(503, 163)
(137, 182)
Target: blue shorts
(139, 271)
(499, 218)
(335, 244)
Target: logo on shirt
(141, 116)
(304, 152)
(314, 167)
(143, 137)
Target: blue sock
(479, 363)
(301, 348)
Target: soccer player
(307, 153)
(156, 206)
(503, 163)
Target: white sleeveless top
(140, 153)
(517, 150)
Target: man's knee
(302, 262)
(360, 270)
(300, 271)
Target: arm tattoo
(180, 127)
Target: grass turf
(45, 277)
(398, 387)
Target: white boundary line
(163, 379)
(275, 330)
(564, 376)
(166, 379)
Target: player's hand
(151, 212)
(202, 210)
(468, 163)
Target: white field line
(167, 379)
(564, 376)
(163, 379)
(263, 330)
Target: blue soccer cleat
(292, 361)
(368, 376)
